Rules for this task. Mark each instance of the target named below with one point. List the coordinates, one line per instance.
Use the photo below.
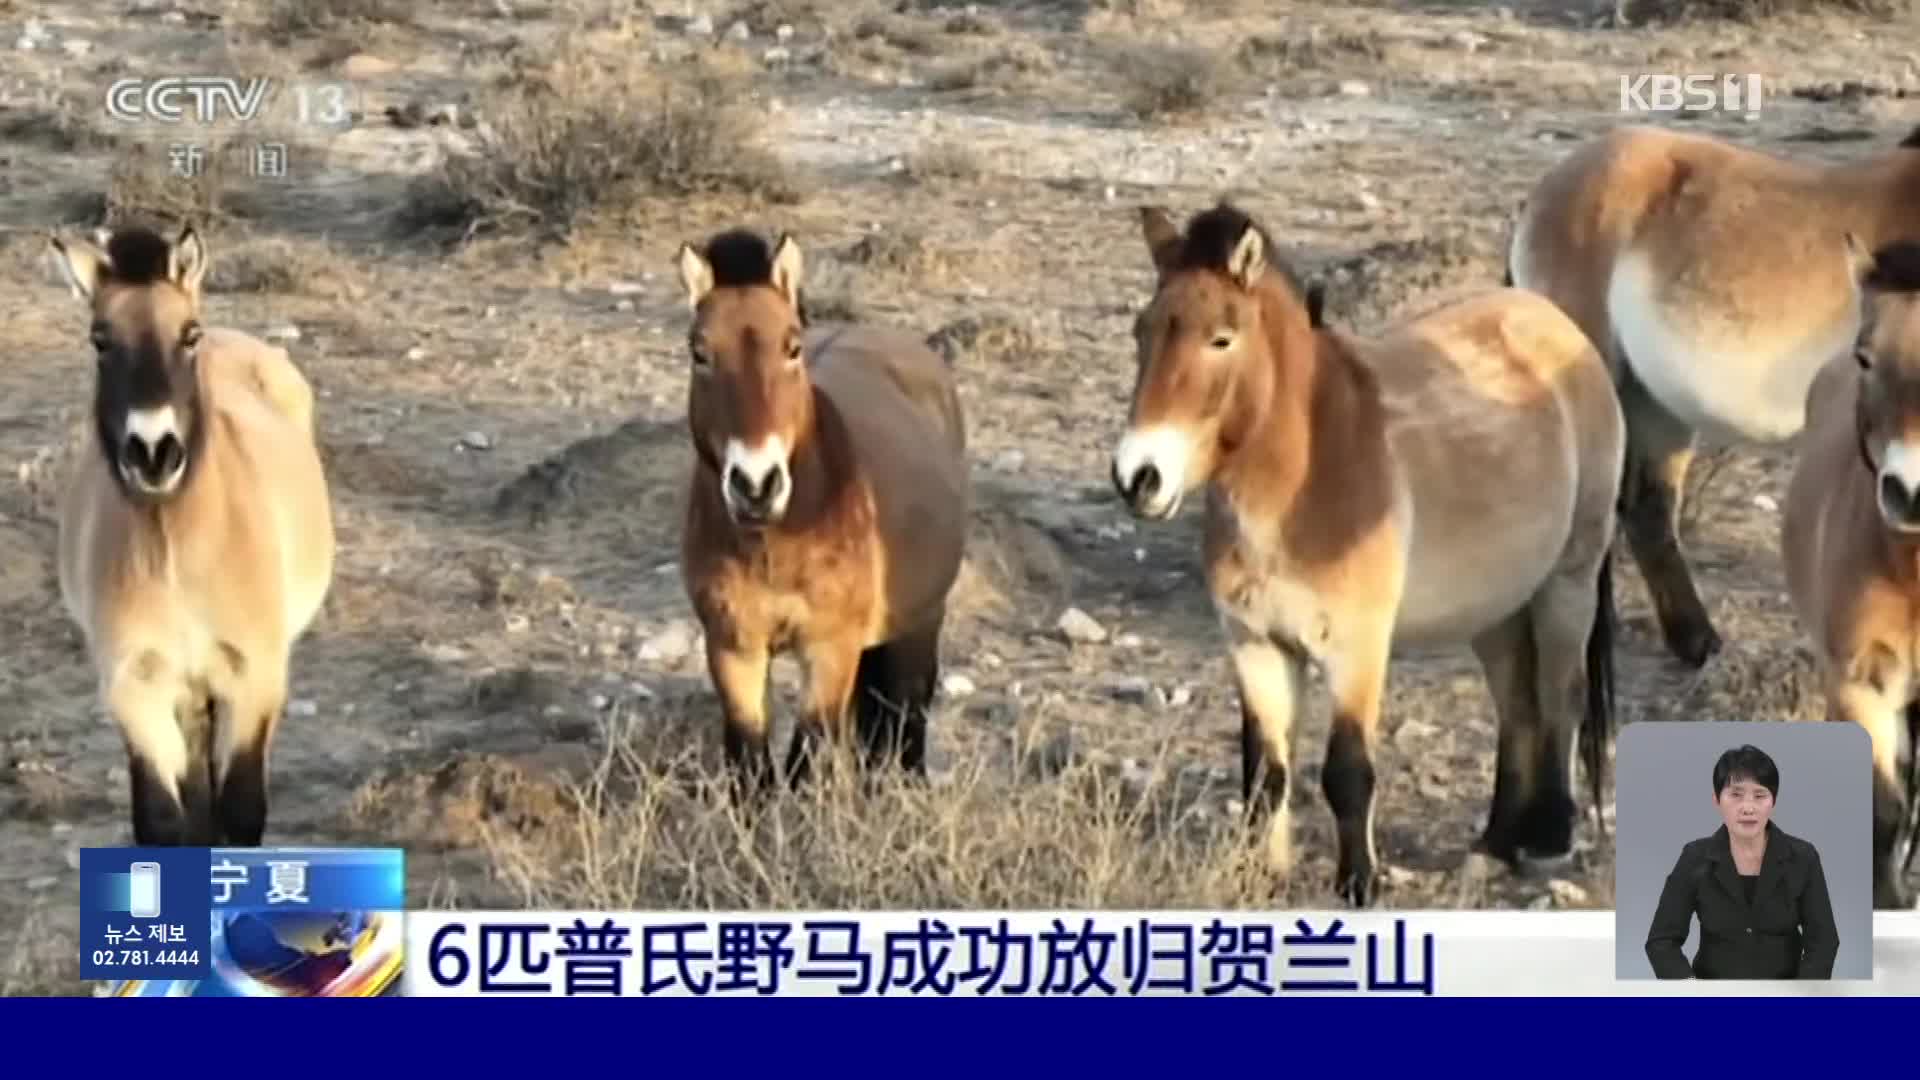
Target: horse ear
(696, 275)
(1161, 234)
(187, 261)
(1249, 258)
(1859, 259)
(83, 265)
(787, 267)
(1317, 304)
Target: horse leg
(1509, 660)
(739, 672)
(1861, 701)
(1562, 621)
(833, 665)
(240, 768)
(1269, 678)
(913, 669)
(1347, 778)
(166, 757)
(875, 724)
(1659, 449)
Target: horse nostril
(166, 456)
(1895, 497)
(1146, 482)
(740, 484)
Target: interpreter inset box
(1743, 850)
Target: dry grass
(1657, 11)
(651, 828)
(593, 137)
(289, 20)
(945, 162)
(1170, 81)
(143, 186)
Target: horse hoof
(1694, 644)
(1357, 889)
(1535, 864)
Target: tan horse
(1851, 539)
(827, 510)
(196, 536)
(1708, 275)
(1450, 482)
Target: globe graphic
(304, 953)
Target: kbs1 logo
(1690, 93)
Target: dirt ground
(506, 679)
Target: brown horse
(1452, 481)
(1708, 275)
(1851, 540)
(196, 536)
(827, 510)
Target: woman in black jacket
(1760, 893)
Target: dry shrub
(57, 123)
(1276, 55)
(1011, 65)
(652, 829)
(1655, 11)
(595, 137)
(143, 186)
(1169, 81)
(944, 161)
(290, 19)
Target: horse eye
(1861, 358)
(190, 335)
(793, 352)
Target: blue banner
(275, 922)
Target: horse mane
(1212, 235)
(740, 257)
(138, 256)
(1912, 141)
(1896, 268)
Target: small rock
(1567, 894)
(517, 624)
(477, 440)
(1180, 696)
(1467, 39)
(1766, 502)
(1010, 461)
(1432, 788)
(76, 47)
(552, 710)
(1355, 88)
(1540, 903)
(416, 354)
(1131, 689)
(1133, 773)
(991, 660)
(173, 17)
(1368, 200)
(623, 305)
(600, 702)
(738, 32)
(1051, 757)
(783, 32)
(1235, 808)
(641, 691)
(625, 288)
(62, 828)
(117, 774)
(700, 26)
(777, 55)
(1396, 876)
(1080, 627)
(73, 858)
(1128, 640)
(365, 66)
(41, 884)
(490, 312)
(284, 332)
(671, 645)
(957, 686)
(303, 707)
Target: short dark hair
(1746, 763)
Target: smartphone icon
(144, 890)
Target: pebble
(1180, 696)
(1132, 689)
(783, 32)
(477, 440)
(957, 685)
(1080, 627)
(1355, 88)
(1128, 640)
(365, 65)
(284, 332)
(700, 26)
(41, 884)
(600, 702)
(1567, 894)
(672, 644)
(738, 32)
(76, 47)
(416, 354)
(1766, 502)
(303, 707)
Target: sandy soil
(505, 678)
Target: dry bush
(1276, 55)
(1016, 64)
(144, 187)
(57, 123)
(594, 137)
(945, 161)
(652, 829)
(1655, 11)
(1169, 81)
(290, 19)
